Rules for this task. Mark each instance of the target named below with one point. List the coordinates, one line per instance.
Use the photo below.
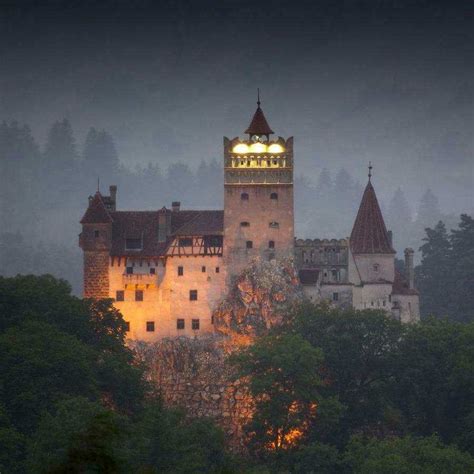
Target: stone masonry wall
(96, 274)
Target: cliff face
(259, 299)
(194, 373)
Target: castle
(167, 269)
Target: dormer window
(186, 242)
(133, 244)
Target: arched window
(245, 224)
(244, 197)
(271, 244)
(274, 225)
(274, 196)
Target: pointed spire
(259, 124)
(96, 213)
(369, 234)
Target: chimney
(175, 205)
(113, 196)
(409, 270)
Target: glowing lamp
(240, 148)
(258, 148)
(275, 148)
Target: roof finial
(258, 96)
(370, 170)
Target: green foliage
(406, 456)
(285, 384)
(445, 277)
(434, 385)
(360, 349)
(165, 441)
(80, 436)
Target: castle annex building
(167, 269)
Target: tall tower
(258, 195)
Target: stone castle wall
(96, 274)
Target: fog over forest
(161, 85)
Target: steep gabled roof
(369, 234)
(197, 222)
(96, 213)
(259, 124)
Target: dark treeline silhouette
(44, 193)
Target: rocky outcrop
(195, 373)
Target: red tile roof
(96, 213)
(369, 234)
(144, 225)
(259, 124)
(400, 286)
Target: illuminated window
(180, 271)
(274, 196)
(152, 271)
(193, 295)
(249, 244)
(119, 295)
(245, 224)
(180, 324)
(150, 326)
(138, 295)
(271, 244)
(244, 197)
(195, 324)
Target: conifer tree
(434, 275)
(462, 243)
(100, 156)
(399, 219)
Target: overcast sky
(353, 81)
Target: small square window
(271, 244)
(129, 270)
(249, 244)
(244, 197)
(274, 196)
(335, 296)
(127, 326)
(119, 295)
(218, 269)
(152, 271)
(203, 269)
(195, 324)
(138, 295)
(180, 324)
(180, 271)
(245, 224)
(96, 234)
(193, 295)
(150, 326)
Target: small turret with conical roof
(370, 241)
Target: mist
(161, 83)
